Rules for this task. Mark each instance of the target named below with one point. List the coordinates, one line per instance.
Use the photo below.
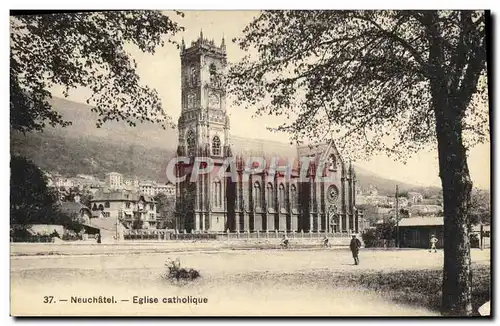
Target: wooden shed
(416, 232)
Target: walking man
(433, 240)
(355, 245)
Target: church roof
(422, 221)
(258, 147)
(243, 148)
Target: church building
(263, 201)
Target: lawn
(421, 287)
(416, 288)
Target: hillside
(143, 151)
(71, 156)
(387, 186)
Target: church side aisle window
(270, 201)
(257, 195)
(217, 197)
(216, 146)
(282, 196)
(293, 195)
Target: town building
(63, 182)
(77, 211)
(114, 180)
(416, 232)
(415, 197)
(147, 188)
(260, 203)
(126, 206)
(402, 201)
(421, 210)
(167, 189)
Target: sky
(162, 71)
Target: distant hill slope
(143, 151)
(387, 186)
(71, 156)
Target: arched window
(106, 204)
(101, 208)
(216, 146)
(192, 75)
(282, 196)
(270, 195)
(293, 195)
(332, 162)
(190, 142)
(257, 195)
(213, 73)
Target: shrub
(369, 238)
(176, 273)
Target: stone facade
(263, 201)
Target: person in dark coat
(98, 238)
(354, 246)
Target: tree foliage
(85, 49)
(391, 81)
(31, 201)
(364, 75)
(30, 198)
(165, 207)
(480, 207)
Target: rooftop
(422, 221)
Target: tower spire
(223, 43)
(183, 45)
(201, 34)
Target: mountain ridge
(143, 151)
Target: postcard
(250, 163)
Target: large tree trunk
(457, 185)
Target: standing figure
(98, 238)
(354, 246)
(433, 241)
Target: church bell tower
(203, 132)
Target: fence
(34, 238)
(381, 243)
(163, 235)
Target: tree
(165, 207)
(85, 197)
(30, 198)
(370, 213)
(480, 207)
(31, 201)
(137, 224)
(85, 49)
(393, 81)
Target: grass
(419, 287)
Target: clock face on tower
(332, 194)
(213, 100)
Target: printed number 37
(48, 299)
